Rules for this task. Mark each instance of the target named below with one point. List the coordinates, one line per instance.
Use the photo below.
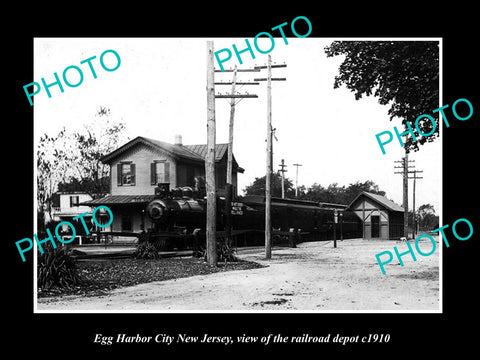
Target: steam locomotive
(179, 219)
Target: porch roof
(120, 200)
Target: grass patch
(97, 277)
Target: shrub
(224, 252)
(56, 267)
(146, 250)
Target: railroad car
(179, 218)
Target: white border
(440, 310)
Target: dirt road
(312, 277)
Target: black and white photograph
(238, 180)
(307, 114)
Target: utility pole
(234, 100)
(268, 177)
(296, 180)
(404, 166)
(230, 130)
(210, 161)
(283, 171)
(405, 194)
(229, 184)
(335, 219)
(415, 177)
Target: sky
(159, 90)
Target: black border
(410, 333)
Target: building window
(126, 174)
(160, 172)
(126, 222)
(74, 200)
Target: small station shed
(381, 218)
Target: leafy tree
(89, 146)
(51, 170)
(340, 194)
(70, 186)
(302, 189)
(427, 220)
(426, 209)
(332, 194)
(404, 74)
(354, 189)
(72, 159)
(258, 187)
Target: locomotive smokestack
(178, 139)
(162, 190)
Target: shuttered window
(159, 172)
(126, 174)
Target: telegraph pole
(296, 180)
(283, 171)
(404, 166)
(234, 100)
(268, 177)
(210, 161)
(230, 130)
(405, 194)
(229, 184)
(415, 177)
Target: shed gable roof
(379, 199)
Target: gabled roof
(188, 152)
(379, 199)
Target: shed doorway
(375, 226)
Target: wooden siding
(180, 173)
(142, 156)
(187, 172)
(387, 229)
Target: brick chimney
(178, 139)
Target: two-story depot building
(138, 166)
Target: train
(178, 216)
